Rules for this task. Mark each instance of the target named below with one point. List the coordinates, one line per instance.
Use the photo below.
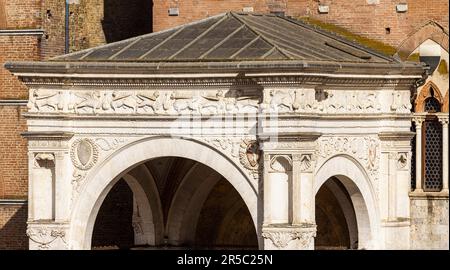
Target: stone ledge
(22, 32)
(13, 202)
(13, 102)
(427, 195)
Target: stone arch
(3, 20)
(186, 205)
(429, 30)
(147, 198)
(358, 185)
(101, 179)
(425, 93)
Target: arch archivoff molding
(103, 177)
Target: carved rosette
(289, 237)
(47, 237)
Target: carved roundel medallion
(249, 154)
(84, 154)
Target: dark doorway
(335, 217)
(127, 18)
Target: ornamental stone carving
(84, 154)
(244, 151)
(249, 154)
(402, 161)
(281, 237)
(281, 163)
(306, 163)
(401, 102)
(44, 237)
(364, 149)
(44, 160)
(213, 102)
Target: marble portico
(277, 117)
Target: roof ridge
(338, 38)
(259, 35)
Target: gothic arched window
(432, 146)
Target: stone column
(444, 121)
(418, 120)
(289, 193)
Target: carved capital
(443, 119)
(306, 163)
(290, 237)
(402, 160)
(418, 120)
(44, 160)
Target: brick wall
(14, 161)
(16, 48)
(360, 17)
(21, 14)
(13, 227)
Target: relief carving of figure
(215, 104)
(400, 102)
(40, 99)
(281, 101)
(246, 103)
(146, 100)
(123, 100)
(92, 100)
(180, 102)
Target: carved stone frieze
(212, 102)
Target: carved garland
(43, 237)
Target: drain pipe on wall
(67, 32)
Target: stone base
(286, 237)
(47, 235)
(429, 220)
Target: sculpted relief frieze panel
(366, 150)
(221, 101)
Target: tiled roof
(233, 37)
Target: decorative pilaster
(49, 178)
(289, 162)
(443, 118)
(395, 185)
